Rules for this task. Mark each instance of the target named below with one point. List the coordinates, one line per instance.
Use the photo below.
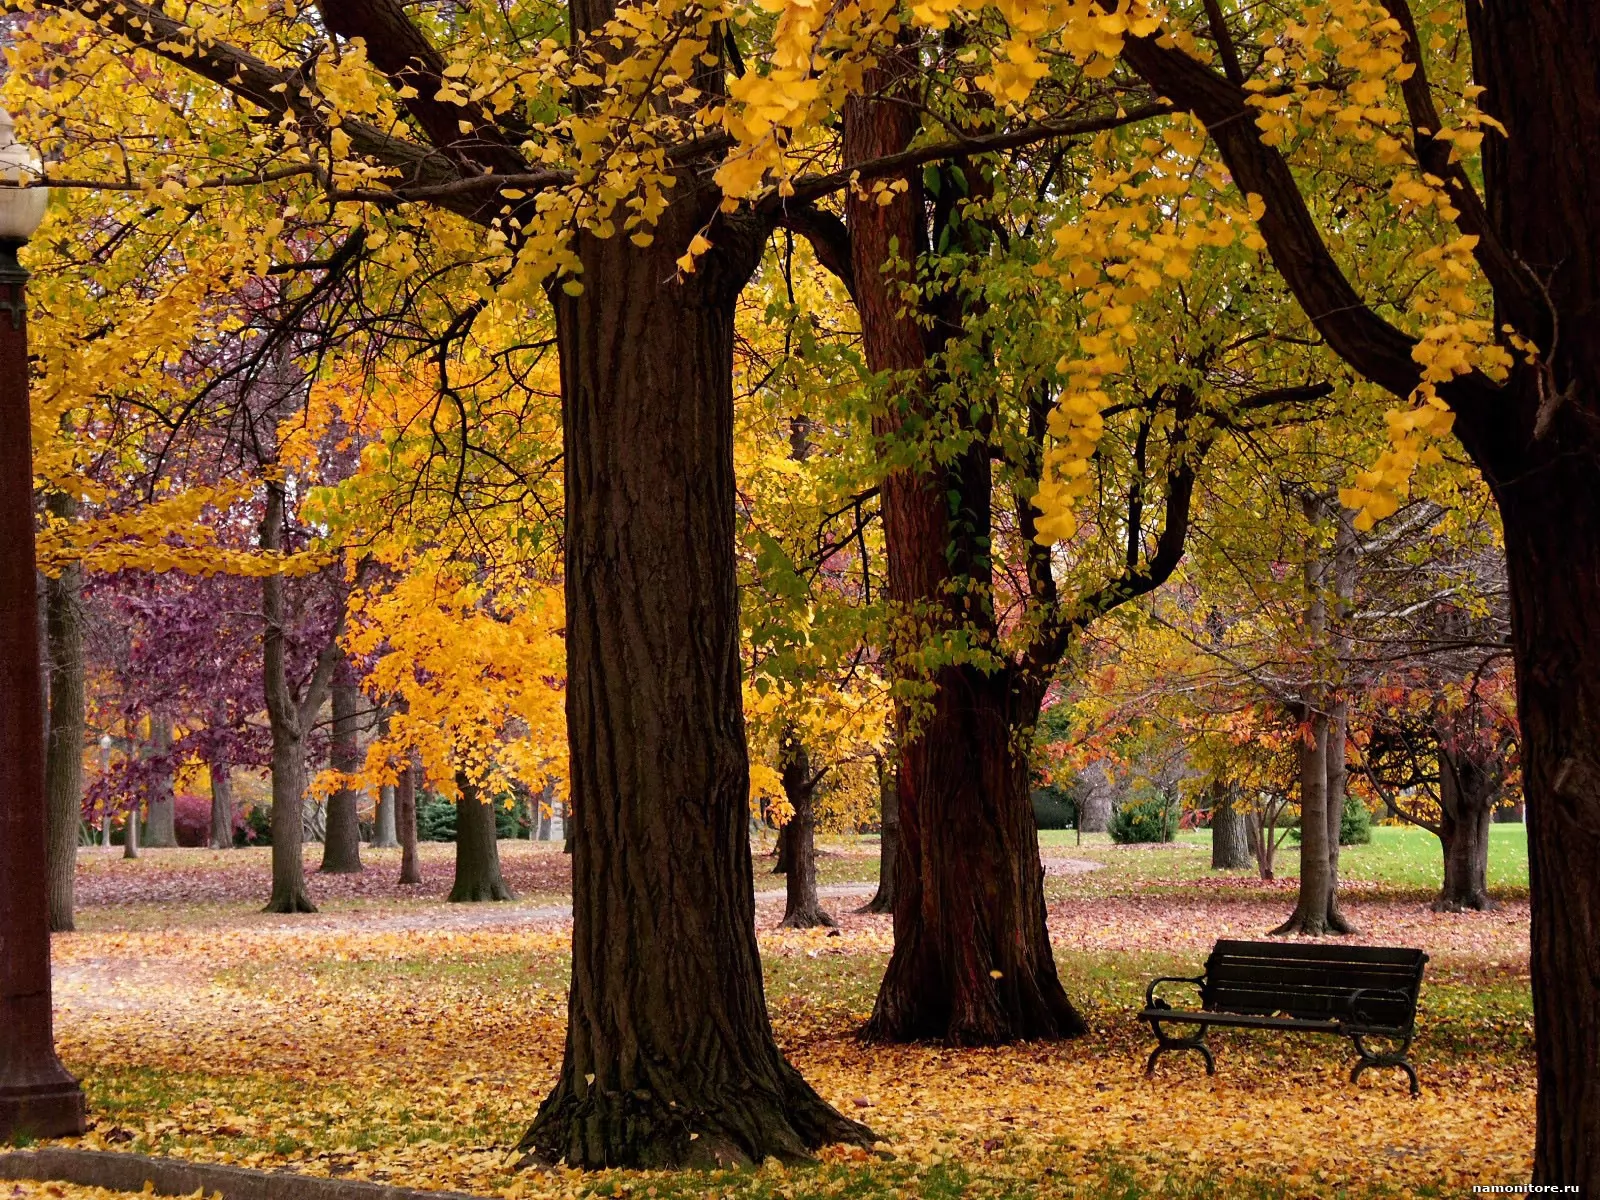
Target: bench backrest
(1315, 982)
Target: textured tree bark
(63, 763)
(1310, 914)
(1468, 790)
(1230, 832)
(802, 909)
(889, 835)
(221, 806)
(670, 1058)
(478, 875)
(160, 826)
(405, 800)
(972, 962)
(341, 842)
(384, 828)
(1342, 570)
(288, 717)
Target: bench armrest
(1360, 994)
(1150, 992)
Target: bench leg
(1195, 1041)
(1395, 1058)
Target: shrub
(255, 827)
(191, 819)
(436, 820)
(1144, 817)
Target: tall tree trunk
(670, 1057)
(405, 800)
(284, 717)
(972, 962)
(160, 825)
(341, 845)
(1310, 914)
(221, 806)
(477, 850)
(1230, 832)
(384, 828)
(1336, 765)
(889, 833)
(63, 762)
(783, 851)
(1468, 790)
(802, 909)
(130, 833)
(1342, 571)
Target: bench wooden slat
(1241, 1020)
(1277, 951)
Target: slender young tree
(63, 764)
(341, 845)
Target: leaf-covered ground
(395, 1037)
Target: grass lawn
(396, 1037)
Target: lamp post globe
(38, 1098)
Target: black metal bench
(1358, 992)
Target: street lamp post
(38, 1098)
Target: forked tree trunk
(889, 835)
(384, 828)
(63, 761)
(972, 962)
(341, 840)
(670, 1058)
(405, 815)
(221, 806)
(1468, 790)
(160, 826)
(478, 875)
(1230, 832)
(802, 909)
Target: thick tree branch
(274, 90)
(1433, 155)
(1375, 348)
(414, 66)
(830, 240)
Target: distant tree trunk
(221, 806)
(1511, 814)
(341, 845)
(477, 852)
(160, 826)
(1468, 789)
(405, 800)
(544, 811)
(889, 835)
(130, 834)
(782, 851)
(63, 763)
(1230, 831)
(384, 829)
(802, 909)
(670, 1058)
